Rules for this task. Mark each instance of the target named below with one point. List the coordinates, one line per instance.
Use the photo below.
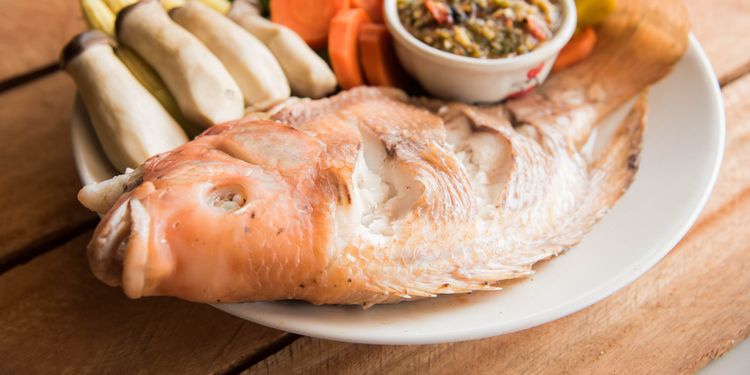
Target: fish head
(222, 207)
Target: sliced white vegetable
(205, 91)
(249, 61)
(308, 74)
(129, 122)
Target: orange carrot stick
(374, 8)
(342, 46)
(378, 59)
(576, 50)
(309, 19)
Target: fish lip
(136, 255)
(107, 247)
(118, 251)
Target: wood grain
(56, 318)
(734, 175)
(689, 309)
(32, 33)
(722, 27)
(40, 182)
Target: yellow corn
(99, 16)
(117, 5)
(169, 4)
(594, 12)
(221, 6)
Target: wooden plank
(56, 318)
(721, 27)
(734, 175)
(689, 309)
(32, 33)
(39, 184)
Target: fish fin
(433, 282)
(100, 197)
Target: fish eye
(228, 198)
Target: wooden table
(55, 317)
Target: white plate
(682, 153)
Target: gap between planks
(19, 80)
(269, 350)
(44, 244)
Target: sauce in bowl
(481, 28)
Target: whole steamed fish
(372, 197)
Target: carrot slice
(309, 19)
(580, 46)
(374, 8)
(439, 11)
(342, 46)
(378, 59)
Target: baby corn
(221, 6)
(99, 16)
(169, 4)
(117, 5)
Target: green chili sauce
(481, 28)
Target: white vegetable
(129, 122)
(308, 74)
(250, 63)
(205, 91)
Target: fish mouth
(118, 251)
(107, 248)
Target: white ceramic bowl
(469, 79)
